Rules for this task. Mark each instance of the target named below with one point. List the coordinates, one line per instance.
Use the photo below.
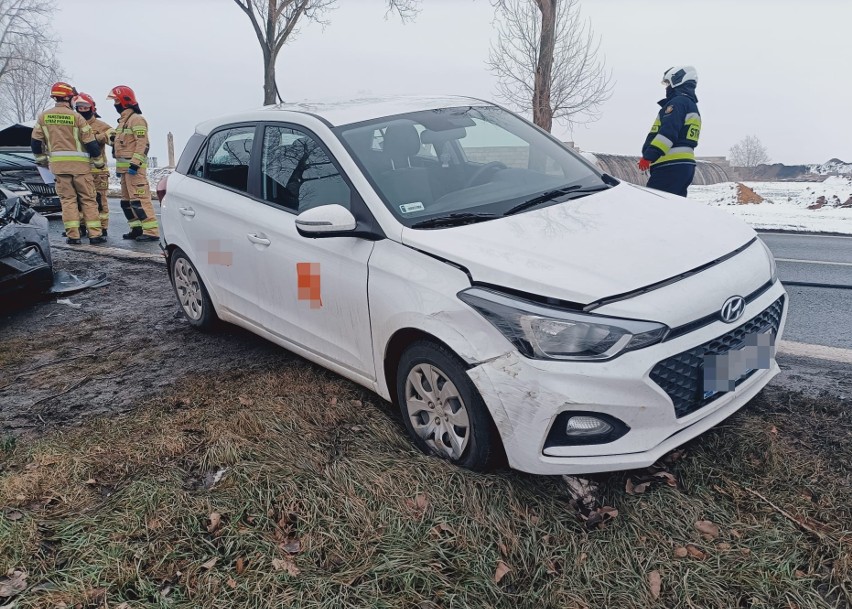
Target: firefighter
(65, 140)
(86, 107)
(669, 150)
(130, 148)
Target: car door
(218, 213)
(316, 289)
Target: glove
(98, 164)
(133, 169)
(644, 164)
(42, 161)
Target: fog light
(586, 426)
(578, 427)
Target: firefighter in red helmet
(130, 148)
(65, 140)
(85, 105)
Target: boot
(96, 240)
(104, 232)
(84, 231)
(71, 241)
(136, 231)
(147, 238)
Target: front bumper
(525, 396)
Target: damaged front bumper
(526, 397)
(25, 259)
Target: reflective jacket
(131, 141)
(64, 137)
(674, 135)
(103, 133)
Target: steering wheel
(477, 175)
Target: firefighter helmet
(85, 99)
(62, 90)
(123, 96)
(678, 75)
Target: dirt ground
(126, 342)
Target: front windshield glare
(468, 160)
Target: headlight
(542, 332)
(773, 266)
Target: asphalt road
(117, 226)
(818, 315)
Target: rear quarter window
(189, 153)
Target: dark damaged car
(25, 260)
(19, 175)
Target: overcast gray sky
(778, 69)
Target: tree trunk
(269, 96)
(542, 110)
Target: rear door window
(229, 157)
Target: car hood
(602, 245)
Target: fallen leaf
(681, 552)
(502, 570)
(357, 428)
(231, 583)
(799, 573)
(534, 520)
(244, 401)
(668, 477)
(503, 549)
(736, 533)
(91, 482)
(286, 564)
(674, 456)
(123, 606)
(14, 515)
(745, 551)
(707, 528)
(553, 567)
(13, 584)
(774, 431)
(333, 401)
(655, 582)
(443, 527)
(210, 563)
(421, 502)
(241, 565)
(291, 546)
(601, 516)
(695, 552)
(215, 522)
(583, 557)
(636, 489)
(724, 546)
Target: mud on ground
(60, 365)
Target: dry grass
(120, 511)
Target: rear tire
(442, 409)
(191, 293)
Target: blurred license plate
(722, 371)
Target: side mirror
(326, 221)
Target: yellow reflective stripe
(150, 224)
(139, 157)
(134, 224)
(679, 156)
(139, 131)
(93, 223)
(70, 159)
(656, 126)
(662, 143)
(72, 224)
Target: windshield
(470, 160)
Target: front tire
(442, 409)
(191, 293)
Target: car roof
(344, 112)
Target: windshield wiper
(552, 194)
(454, 219)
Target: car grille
(44, 190)
(681, 376)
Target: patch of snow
(834, 166)
(786, 204)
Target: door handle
(258, 240)
(187, 211)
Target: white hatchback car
(466, 265)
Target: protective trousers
(101, 196)
(674, 178)
(76, 193)
(102, 189)
(136, 203)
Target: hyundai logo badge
(733, 309)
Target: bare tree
(276, 21)
(749, 153)
(22, 24)
(25, 91)
(546, 61)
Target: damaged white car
(466, 265)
